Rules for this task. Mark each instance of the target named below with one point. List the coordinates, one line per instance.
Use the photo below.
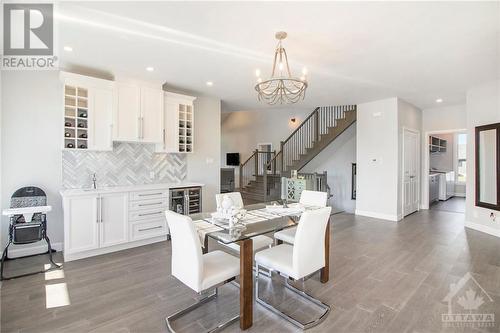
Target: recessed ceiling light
(210, 83)
(439, 100)
(150, 69)
(68, 49)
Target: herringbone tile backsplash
(127, 164)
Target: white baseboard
(462, 195)
(68, 256)
(16, 251)
(375, 215)
(483, 228)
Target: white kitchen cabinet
(113, 212)
(178, 124)
(95, 221)
(81, 223)
(127, 112)
(138, 115)
(88, 110)
(103, 221)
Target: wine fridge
(185, 200)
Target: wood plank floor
(453, 204)
(385, 277)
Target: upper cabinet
(138, 112)
(88, 109)
(178, 124)
(437, 145)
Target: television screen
(233, 159)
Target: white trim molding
(483, 228)
(387, 217)
(16, 251)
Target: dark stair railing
(254, 166)
(298, 149)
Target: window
(462, 157)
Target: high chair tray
(26, 210)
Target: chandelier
(281, 88)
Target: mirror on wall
(488, 166)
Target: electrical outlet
(493, 217)
(152, 175)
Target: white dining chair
(307, 198)
(259, 242)
(200, 272)
(297, 261)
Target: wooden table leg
(325, 271)
(246, 284)
(204, 250)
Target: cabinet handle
(152, 228)
(164, 143)
(147, 214)
(138, 127)
(150, 204)
(148, 194)
(142, 127)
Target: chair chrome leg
(299, 292)
(194, 306)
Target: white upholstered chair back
(313, 198)
(309, 244)
(234, 196)
(187, 258)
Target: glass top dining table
(258, 221)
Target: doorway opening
(447, 172)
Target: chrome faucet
(94, 180)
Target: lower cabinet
(95, 221)
(81, 223)
(98, 223)
(113, 219)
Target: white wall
(444, 118)
(380, 156)
(243, 130)
(447, 119)
(31, 132)
(444, 161)
(31, 149)
(377, 159)
(337, 160)
(204, 163)
(409, 117)
(483, 107)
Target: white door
(127, 114)
(410, 172)
(151, 115)
(101, 113)
(113, 212)
(83, 227)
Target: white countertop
(127, 188)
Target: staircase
(260, 174)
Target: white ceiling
(354, 52)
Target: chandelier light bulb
(304, 71)
(257, 72)
(281, 66)
(259, 80)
